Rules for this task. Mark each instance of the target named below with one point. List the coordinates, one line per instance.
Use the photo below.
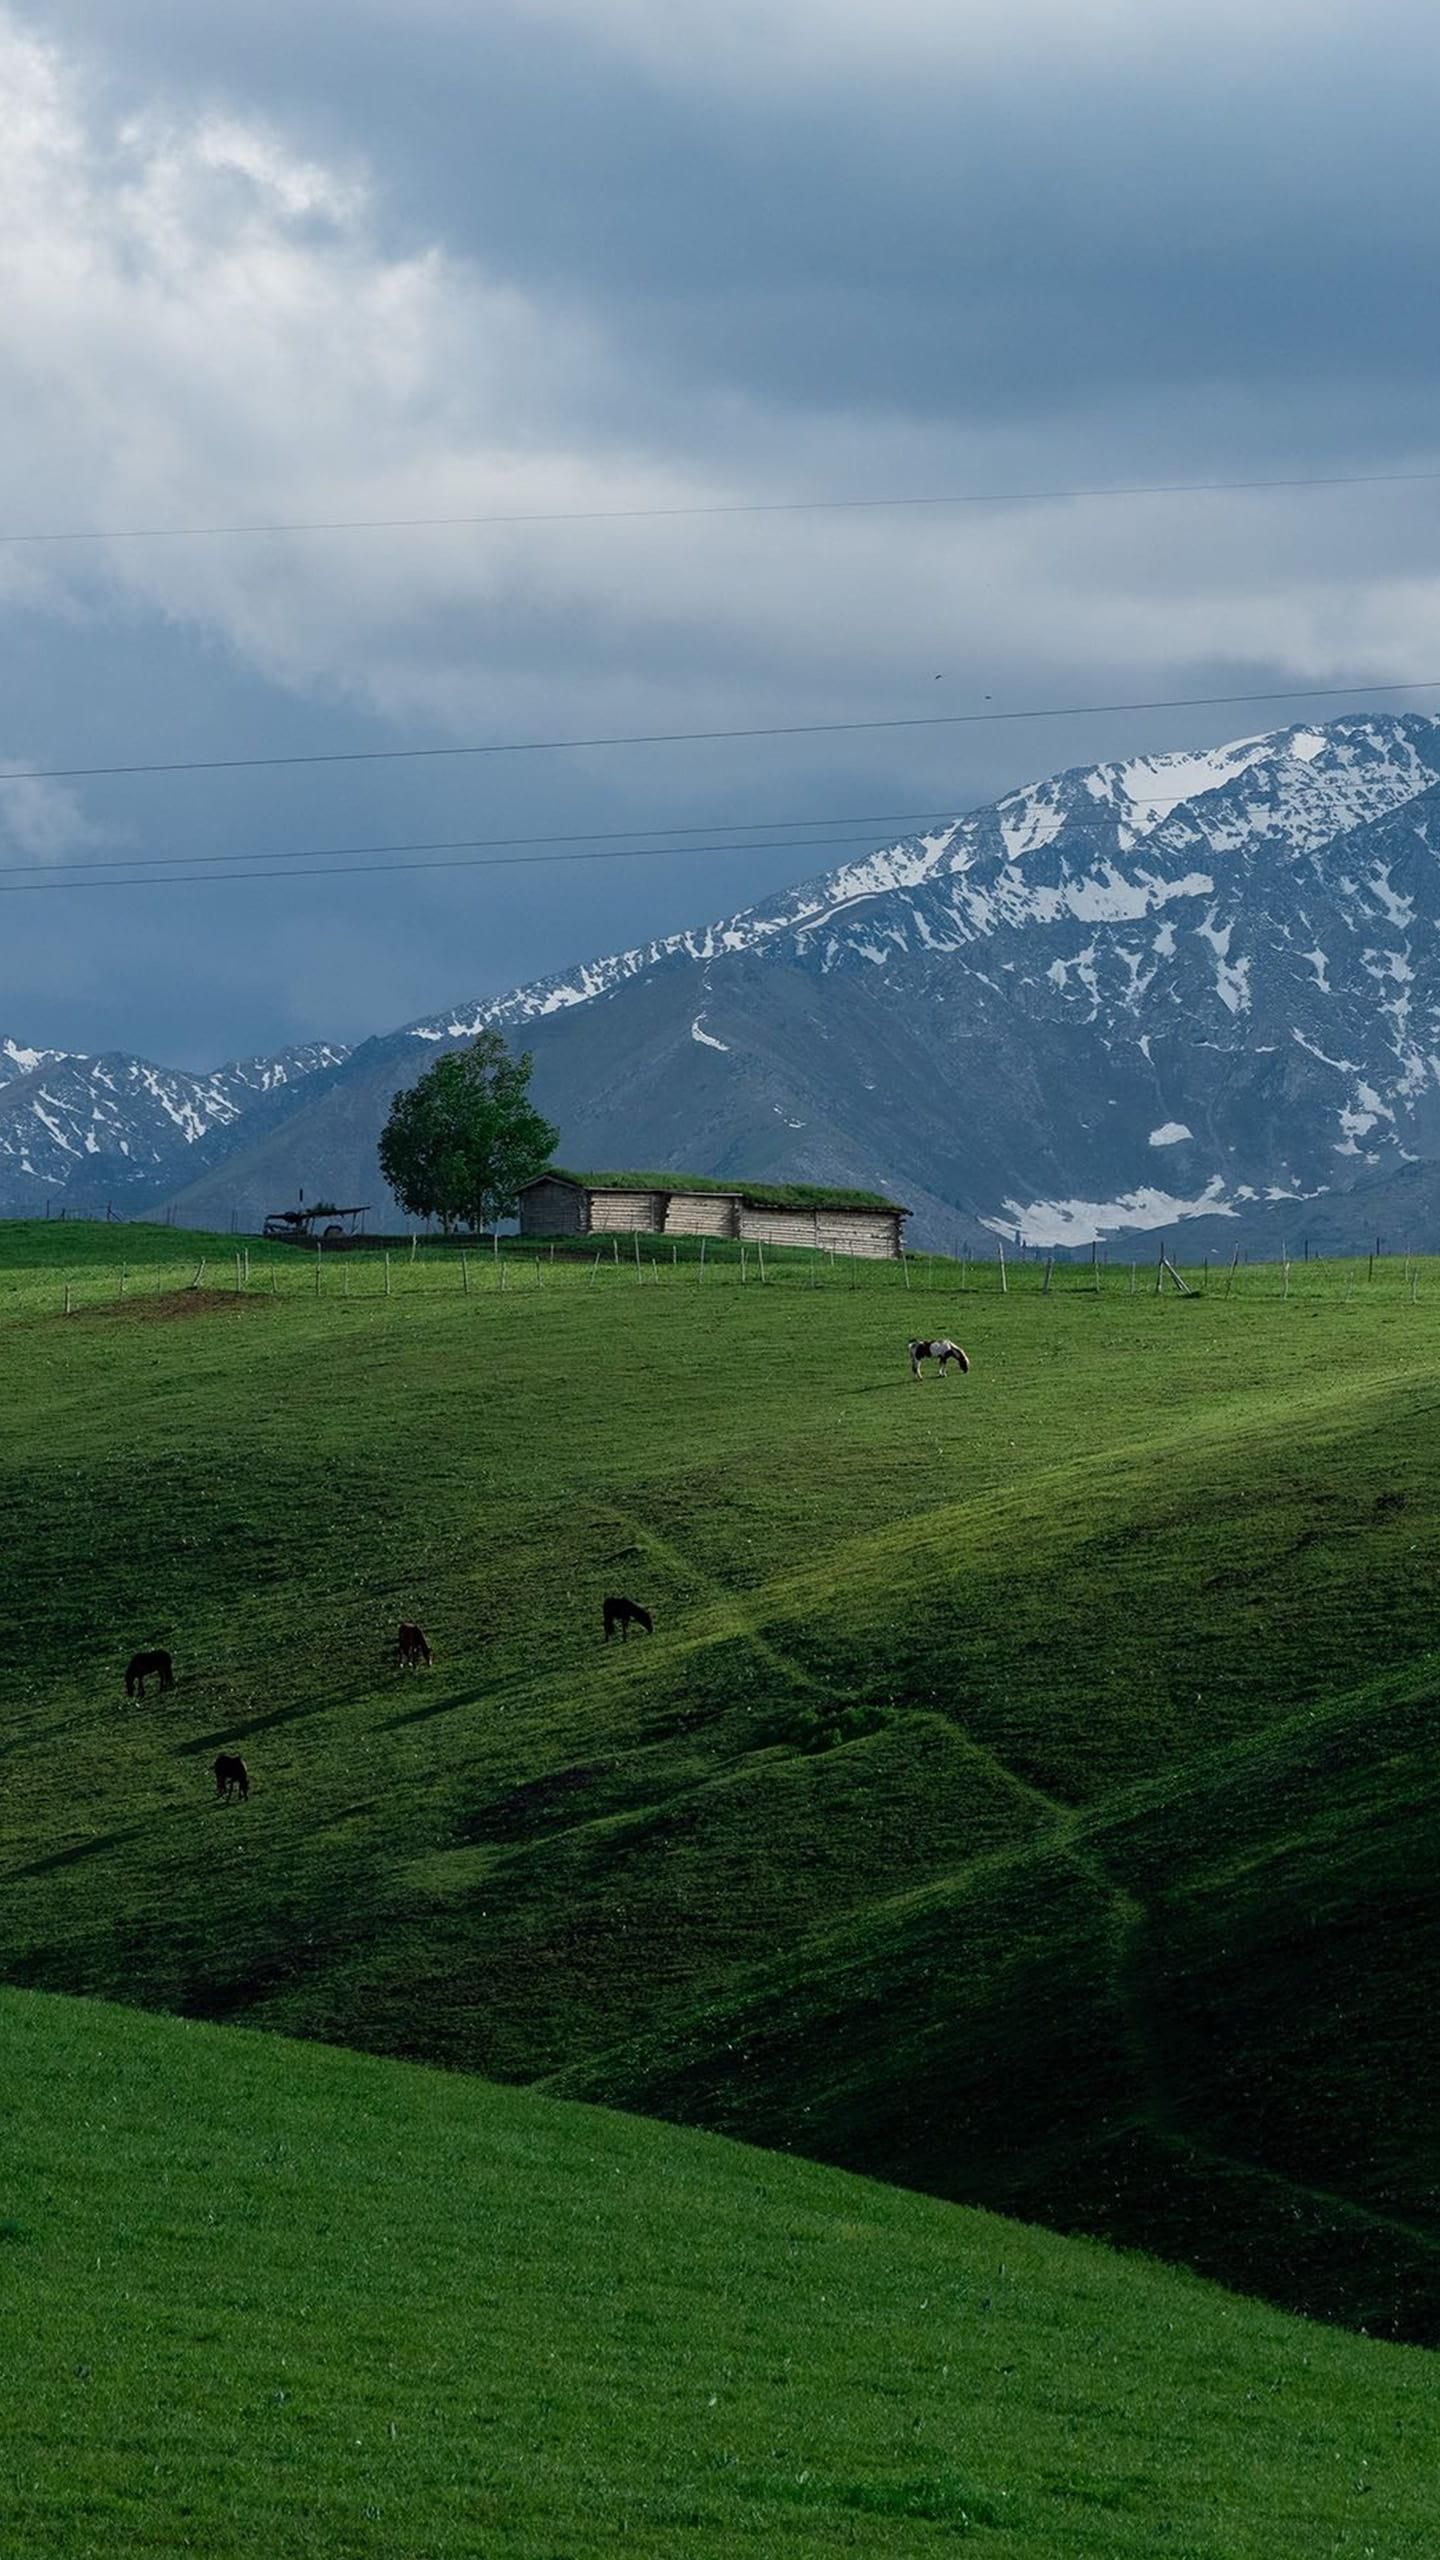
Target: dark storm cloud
(373, 260)
(1025, 236)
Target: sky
(611, 259)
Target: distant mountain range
(1189, 990)
(88, 1133)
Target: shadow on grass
(71, 1857)
(437, 1707)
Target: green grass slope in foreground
(270, 2299)
(1029, 1791)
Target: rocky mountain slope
(83, 1132)
(1184, 988)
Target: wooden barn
(684, 1204)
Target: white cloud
(203, 324)
(754, 43)
(42, 819)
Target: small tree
(459, 1145)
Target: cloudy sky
(268, 265)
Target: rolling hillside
(300, 2303)
(1028, 1792)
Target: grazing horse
(411, 1648)
(144, 1666)
(231, 1777)
(626, 1614)
(944, 1351)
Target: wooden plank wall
(699, 1213)
(626, 1213)
(874, 1234)
(552, 1209)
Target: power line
(1102, 822)
(221, 868)
(482, 862)
(731, 507)
(916, 818)
(711, 737)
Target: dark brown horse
(626, 1614)
(146, 1666)
(231, 1777)
(411, 1648)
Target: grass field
(276, 2300)
(1028, 1792)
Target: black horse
(411, 1648)
(146, 1666)
(626, 1614)
(231, 1777)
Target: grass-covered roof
(769, 1195)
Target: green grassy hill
(282, 2300)
(1028, 1792)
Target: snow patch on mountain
(1076, 1222)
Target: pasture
(1027, 1793)
(279, 2300)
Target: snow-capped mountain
(1181, 986)
(84, 1131)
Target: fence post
(124, 1276)
(1095, 1262)
(743, 1274)
(594, 1272)
(387, 1275)
(1004, 1283)
(702, 1262)
(465, 1274)
(237, 1275)
(317, 1266)
(67, 1297)
(1132, 1279)
(1049, 1267)
(635, 1240)
(905, 1265)
(760, 1250)
(1230, 1275)
(414, 1242)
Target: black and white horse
(944, 1351)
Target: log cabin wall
(874, 1234)
(627, 1213)
(701, 1213)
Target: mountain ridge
(1198, 988)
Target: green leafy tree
(459, 1145)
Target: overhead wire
(721, 507)
(220, 869)
(710, 737)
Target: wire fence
(431, 1271)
